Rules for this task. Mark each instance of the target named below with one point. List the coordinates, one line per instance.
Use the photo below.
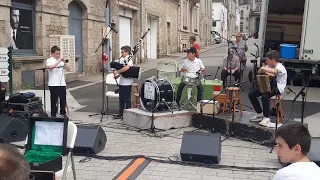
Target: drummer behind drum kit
(160, 94)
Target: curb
(143, 70)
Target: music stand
(102, 45)
(44, 90)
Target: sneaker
(117, 116)
(256, 118)
(265, 122)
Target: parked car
(216, 37)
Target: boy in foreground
(293, 145)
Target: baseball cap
(192, 50)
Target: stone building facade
(171, 24)
(161, 17)
(40, 19)
(126, 19)
(195, 20)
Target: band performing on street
(180, 95)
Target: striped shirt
(234, 63)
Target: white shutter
(67, 47)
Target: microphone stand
(277, 116)
(102, 45)
(215, 76)
(213, 113)
(303, 95)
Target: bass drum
(157, 94)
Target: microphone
(113, 29)
(66, 61)
(291, 90)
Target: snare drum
(191, 79)
(157, 94)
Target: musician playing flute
(124, 83)
(191, 65)
(273, 69)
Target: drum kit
(160, 94)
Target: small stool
(280, 115)
(235, 95)
(136, 95)
(222, 99)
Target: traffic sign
(4, 78)
(4, 50)
(4, 72)
(4, 65)
(4, 57)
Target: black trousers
(55, 93)
(124, 98)
(225, 74)
(265, 97)
(180, 89)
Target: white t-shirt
(193, 66)
(281, 77)
(299, 171)
(125, 81)
(56, 75)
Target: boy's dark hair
(13, 165)
(193, 38)
(126, 49)
(273, 54)
(54, 49)
(295, 133)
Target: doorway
(168, 38)
(152, 23)
(75, 28)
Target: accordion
(267, 83)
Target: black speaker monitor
(201, 147)
(90, 139)
(12, 129)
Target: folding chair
(110, 81)
(71, 138)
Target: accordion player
(132, 72)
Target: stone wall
(115, 6)
(167, 12)
(51, 18)
(4, 23)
